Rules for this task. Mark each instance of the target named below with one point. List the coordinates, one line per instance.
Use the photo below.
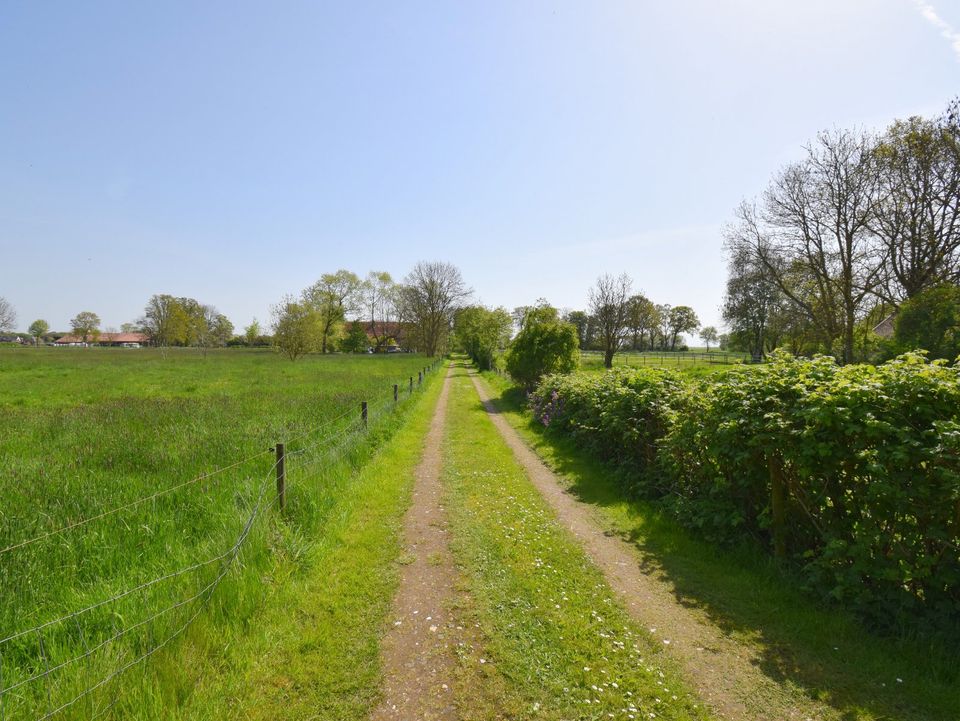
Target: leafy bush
(931, 320)
(544, 345)
(868, 459)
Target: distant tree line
(862, 227)
(619, 319)
(343, 312)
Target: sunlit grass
(91, 430)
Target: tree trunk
(608, 358)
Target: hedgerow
(849, 473)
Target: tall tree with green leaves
(481, 332)
(332, 298)
(37, 329)
(86, 325)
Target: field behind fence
(593, 360)
(124, 522)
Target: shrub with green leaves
(544, 345)
(868, 458)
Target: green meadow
(139, 506)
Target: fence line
(204, 476)
(333, 445)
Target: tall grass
(89, 431)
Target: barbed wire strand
(154, 496)
(233, 552)
(131, 504)
(230, 555)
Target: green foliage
(356, 340)
(870, 457)
(544, 345)
(38, 328)
(931, 321)
(297, 329)
(86, 325)
(481, 332)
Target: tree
(251, 333)
(379, 296)
(8, 316)
(918, 213)
(356, 340)
(37, 329)
(681, 319)
(662, 329)
(709, 334)
(428, 299)
(333, 297)
(812, 234)
(582, 322)
(86, 325)
(481, 332)
(544, 345)
(129, 328)
(158, 320)
(610, 309)
(297, 328)
(642, 318)
(753, 303)
(931, 321)
(213, 329)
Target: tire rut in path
(417, 652)
(723, 672)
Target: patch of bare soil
(725, 673)
(418, 653)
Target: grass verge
(312, 650)
(554, 643)
(822, 651)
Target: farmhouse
(119, 340)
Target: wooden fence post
(363, 412)
(396, 392)
(411, 384)
(281, 477)
(778, 505)
(419, 378)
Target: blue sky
(234, 151)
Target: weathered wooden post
(363, 412)
(419, 378)
(281, 477)
(778, 505)
(396, 392)
(411, 384)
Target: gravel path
(724, 673)
(417, 650)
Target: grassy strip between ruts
(556, 644)
(821, 651)
(312, 652)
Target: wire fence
(34, 686)
(666, 358)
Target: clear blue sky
(234, 151)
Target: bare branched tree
(428, 299)
(918, 216)
(8, 316)
(813, 237)
(610, 308)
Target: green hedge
(852, 473)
